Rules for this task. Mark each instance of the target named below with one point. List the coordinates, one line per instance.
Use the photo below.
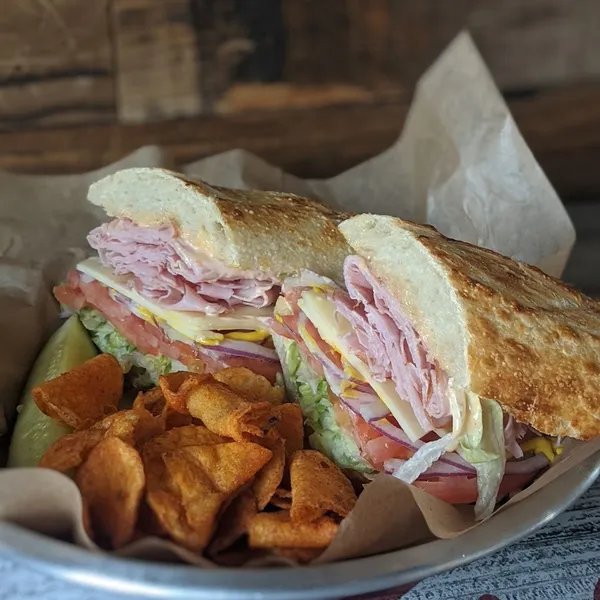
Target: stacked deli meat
(187, 274)
(425, 363)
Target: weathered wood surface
(562, 126)
(72, 61)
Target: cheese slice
(195, 326)
(333, 329)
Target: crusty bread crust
(503, 329)
(271, 232)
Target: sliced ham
(174, 275)
(391, 346)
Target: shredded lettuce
(483, 447)
(319, 413)
(145, 368)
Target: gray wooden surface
(561, 562)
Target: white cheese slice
(191, 324)
(332, 328)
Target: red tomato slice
(69, 296)
(463, 490)
(380, 449)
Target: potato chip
(112, 482)
(228, 466)
(121, 424)
(176, 419)
(152, 400)
(249, 385)
(234, 522)
(83, 395)
(188, 504)
(269, 477)
(204, 477)
(175, 386)
(148, 523)
(70, 450)
(299, 555)
(171, 517)
(181, 437)
(290, 427)
(318, 487)
(163, 496)
(226, 413)
(282, 499)
(277, 530)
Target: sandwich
(446, 365)
(186, 274)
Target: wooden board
(55, 63)
(562, 127)
(134, 61)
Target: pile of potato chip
(214, 462)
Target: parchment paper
(459, 164)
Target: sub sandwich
(444, 364)
(187, 273)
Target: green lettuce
(319, 413)
(484, 448)
(145, 369)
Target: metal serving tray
(337, 580)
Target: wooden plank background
(314, 86)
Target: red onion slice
(397, 435)
(367, 406)
(438, 469)
(526, 465)
(241, 348)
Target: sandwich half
(187, 273)
(447, 365)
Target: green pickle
(34, 431)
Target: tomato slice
(380, 449)
(463, 490)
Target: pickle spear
(34, 431)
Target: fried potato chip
(180, 437)
(269, 477)
(282, 499)
(121, 424)
(148, 523)
(70, 450)
(176, 419)
(290, 427)
(175, 386)
(163, 496)
(112, 482)
(234, 522)
(318, 487)
(228, 466)
(204, 477)
(249, 385)
(193, 523)
(83, 395)
(172, 519)
(152, 400)
(226, 413)
(131, 426)
(299, 555)
(277, 530)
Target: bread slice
(270, 232)
(501, 328)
